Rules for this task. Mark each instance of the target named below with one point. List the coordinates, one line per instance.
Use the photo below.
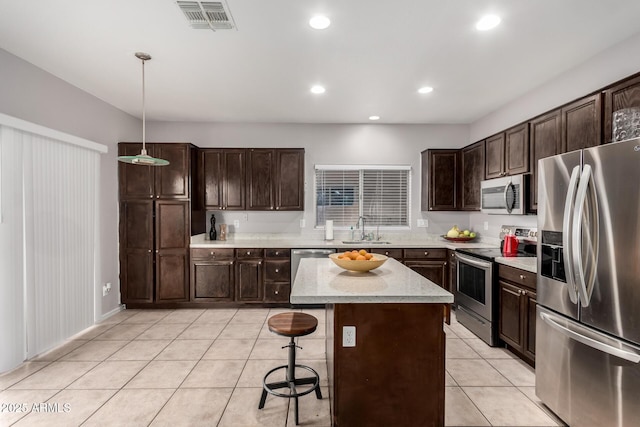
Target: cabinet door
(289, 179)
(494, 158)
(260, 177)
(545, 142)
(625, 94)
(135, 181)
(136, 251)
(440, 170)
(249, 280)
(277, 271)
(516, 151)
(433, 270)
(212, 280)
(233, 187)
(582, 124)
(529, 342)
(172, 248)
(211, 178)
(510, 324)
(172, 181)
(472, 158)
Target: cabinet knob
(386, 253)
(276, 292)
(157, 251)
(277, 252)
(211, 252)
(277, 271)
(522, 276)
(430, 209)
(524, 292)
(445, 263)
(426, 253)
(248, 252)
(151, 196)
(259, 262)
(277, 207)
(149, 250)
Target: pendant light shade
(143, 158)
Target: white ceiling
(372, 59)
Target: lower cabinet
(517, 318)
(250, 275)
(452, 280)
(430, 263)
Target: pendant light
(143, 158)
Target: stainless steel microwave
(504, 196)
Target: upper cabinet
(582, 123)
(252, 179)
(440, 172)
(546, 141)
(507, 153)
(148, 182)
(625, 94)
(472, 169)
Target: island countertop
(320, 281)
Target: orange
(361, 258)
(368, 256)
(362, 252)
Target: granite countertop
(528, 264)
(302, 242)
(320, 281)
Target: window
(379, 193)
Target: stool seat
(292, 324)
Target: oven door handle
(473, 261)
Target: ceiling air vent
(204, 15)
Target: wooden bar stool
(291, 325)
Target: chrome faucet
(363, 235)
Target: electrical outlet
(423, 223)
(236, 223)
(486, 225)
(348, 336)
(106, 289)
(303, 223)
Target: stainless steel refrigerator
(588, 313)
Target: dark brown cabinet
(517, 311)
(156, 221)
(582, 123)
(275, 179)
(277, 275)
(430, 263)
(624, 94)
(249, 283)
(222, 178)
(545, 141)
(472, 169)
(212, 275)
(516, 152)
(452, 278)
(494, 156)
(440, 175)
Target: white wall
(323, 144)
(32, 94)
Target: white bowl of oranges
(360, 261)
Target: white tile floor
(205, 367)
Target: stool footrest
(271, 387)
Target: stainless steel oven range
(476, 296)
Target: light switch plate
(423, 223)
(236, 223)
(303, 223)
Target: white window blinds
(379, 193)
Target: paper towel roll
(328, 230)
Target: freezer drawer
(585, 377)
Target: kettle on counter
(510, 247)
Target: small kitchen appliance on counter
(476, 294)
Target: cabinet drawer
(391, 253)
(211, 253)
(249, 253)
(277, 253)
(276, 292)
(428, 253)
(516, 275)
(277, 271)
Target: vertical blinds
(379, 193)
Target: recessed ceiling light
(487, 22)
(374, 118)
(319, 22)
(425, 89)
(317, 89)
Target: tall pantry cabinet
(158, 214)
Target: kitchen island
(394, 374)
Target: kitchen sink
(365, 242)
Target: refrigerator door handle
(590, 342)
(567, 234)
(585, 281)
